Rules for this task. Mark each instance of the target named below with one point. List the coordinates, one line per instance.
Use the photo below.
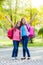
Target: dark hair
(11, 26)
(17, 26)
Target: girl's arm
(9, 20)
(32, 18)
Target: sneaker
(28, 58)
(23, 58)
(14, 58)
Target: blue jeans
(25, 43)
(15, 49)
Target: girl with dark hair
(16, 37)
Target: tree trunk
(31, 41)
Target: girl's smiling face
(23, 21)
(18, 23)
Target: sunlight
(37, 3)
(25, 3)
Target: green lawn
(29, 44)
(36, 44)
(8, 43)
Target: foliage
(40, 32)
(18, 11)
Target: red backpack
(10, 33)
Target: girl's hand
(9, 20)
(33, 18)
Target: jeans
(25, 43)
(15, 49)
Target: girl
(25, 38)
(16, 37)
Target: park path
(36, 57)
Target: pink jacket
(16, 34)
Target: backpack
(30, 30)
(10, 33)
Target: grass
(29, 44)
(36, 44)
(8, 43)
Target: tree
(40, 32)
(1, 1)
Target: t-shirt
(24, 31)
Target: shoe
(14, 58)
(28, 58)
(23, 58)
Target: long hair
(21, 22)
(17, 26)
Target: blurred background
(15, 10)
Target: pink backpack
(31, 30)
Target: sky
(37, 3)
(25, 3)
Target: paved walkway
(36, 57)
